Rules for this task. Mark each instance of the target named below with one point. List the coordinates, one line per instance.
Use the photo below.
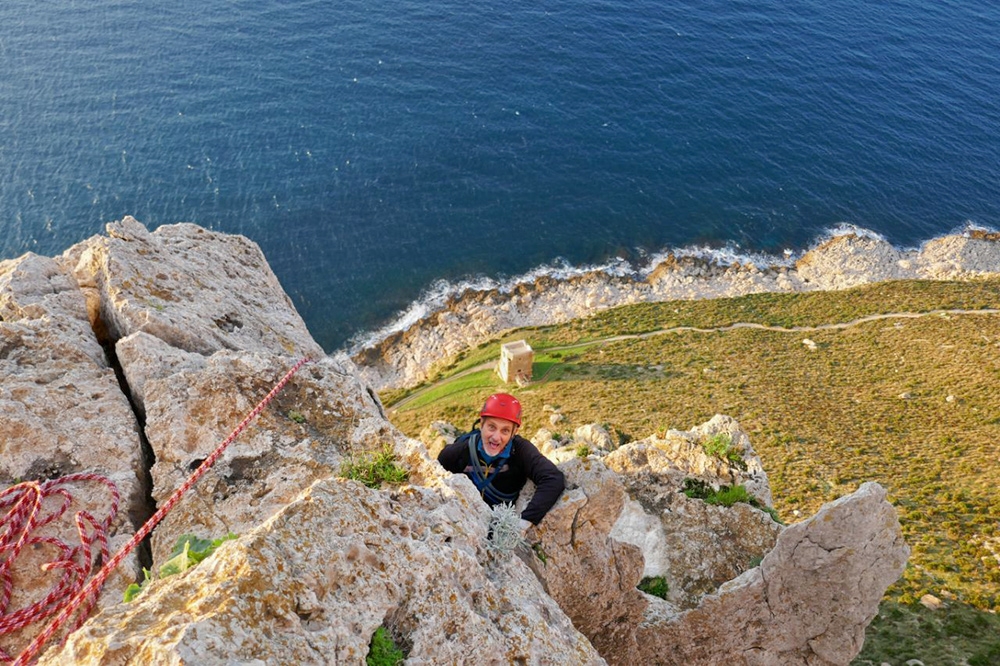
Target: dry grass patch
(909, 403)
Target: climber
(499, 461)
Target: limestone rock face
(438, 435)
(202, 330)
(197, 290)
(682, 454)
(321, 418)
(312, 584)
(695, 546)
(727, 568)
(807, 603)
(61, 412)
(957, 256)
(747, 470)
(592, 576)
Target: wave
(848, 229)
(439, 293)
(970, 228)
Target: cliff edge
(135, 353)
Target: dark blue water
(373, 148)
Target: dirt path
(730, 327)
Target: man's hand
(524, 525)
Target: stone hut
(515, 362)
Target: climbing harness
(86, 596)
(483, 476)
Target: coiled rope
(86, 596)
(19, 526)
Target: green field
(912, 403)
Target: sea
(387, 154)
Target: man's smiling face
(496, 433)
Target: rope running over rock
(82, 596)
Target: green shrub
(697, 489)
(769, 511)
(654, 585)
(987, 656)
(955, 633)
(726, 496)
(721, 446)
(188, 551)
(296, 416)
(375, 468)
(620, 435)
(582, 451)
(382, 650)
(730, 495)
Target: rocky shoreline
(405, 358)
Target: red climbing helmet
(502, 406)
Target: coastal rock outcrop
(847, 261)
(694, 545)
(403, 358)
(808, 601)
(321, 561)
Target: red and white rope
(19, 526)
(87, 595)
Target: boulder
(594, 436)
(545, 441)
(807, 603)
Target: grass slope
(909, 402)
